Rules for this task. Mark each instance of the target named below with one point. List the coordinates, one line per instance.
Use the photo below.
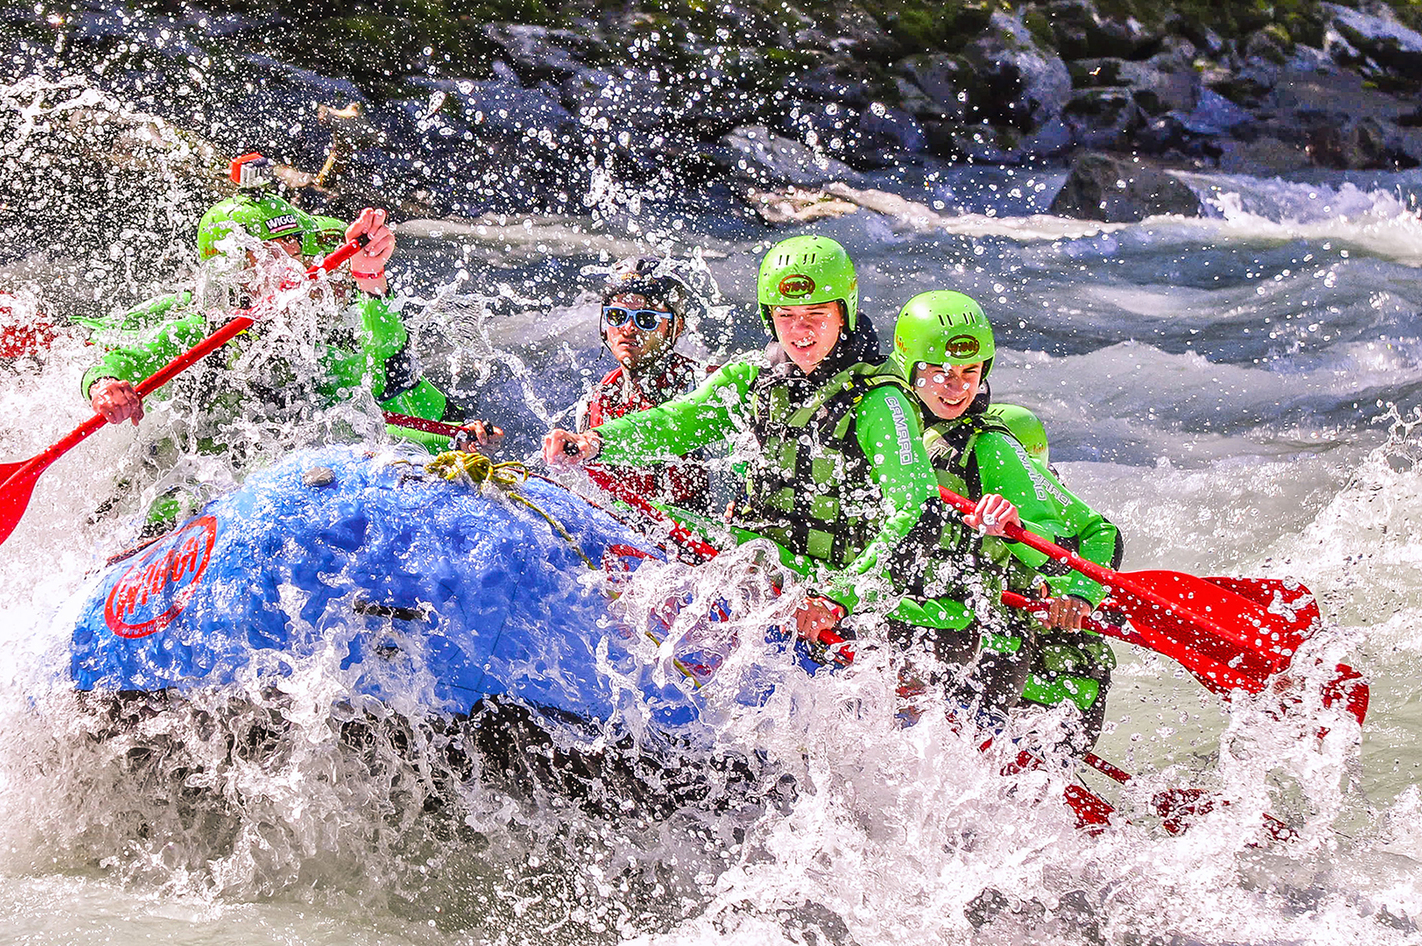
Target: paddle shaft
(17, 479)
(688, 539)
(1095, 572)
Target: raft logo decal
(962, 346)
(157, 587)
(796, 285)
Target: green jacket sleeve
(144, 339)
(886, 425)
(383, 356)
(1047, 508)
(683, 424)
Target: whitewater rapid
(1239, 393)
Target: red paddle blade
(1294, 602)
(1251, 631)
(1348, 687)
(17, 482)
(1289, 600)
(1217, 622)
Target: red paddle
(17, 480)
(1231, 633)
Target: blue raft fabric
(435, 589)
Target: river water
(1240, 393)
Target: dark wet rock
(1114, 190)
(824, 126)
(1079, 31)
(1195, 133)
(611, 102)
(464, 109)
(536, 52)
(942, 79)
(974, 144)
(1335, 120)
(1019, 83)
(916, 102)
(1154, 89)
(1104, 119)
(830, 83)
(1263, 154)
(1214, 114)
(1200, 35)
(886, 129)
(759, 155)
(1364, 144)
(1379, 41)
(1271, 44)
(1053, 140)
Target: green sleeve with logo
(1047, 508)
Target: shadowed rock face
(517, 107)
(1119, 191)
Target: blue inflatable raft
(479, 592)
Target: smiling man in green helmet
(944, 346)
(837, 476)
(372, 348)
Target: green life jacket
(949, 444)
(810, 487)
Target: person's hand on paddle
(993, 515)
(565, 448)
(477, 436)
(815, 616)
(116, 401)
(1067, 612)
(368, 266)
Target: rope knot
(477, 469)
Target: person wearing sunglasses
(837, 476)
(644, 308)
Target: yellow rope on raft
(477, 469)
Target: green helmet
(941, 328)
(265, 216)
(1026, 427)
(806, 270)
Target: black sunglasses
(617, 316)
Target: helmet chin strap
(982, 401)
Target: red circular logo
(962, 346)
(797, 285)
(154, 589)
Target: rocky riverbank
(455, 110)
